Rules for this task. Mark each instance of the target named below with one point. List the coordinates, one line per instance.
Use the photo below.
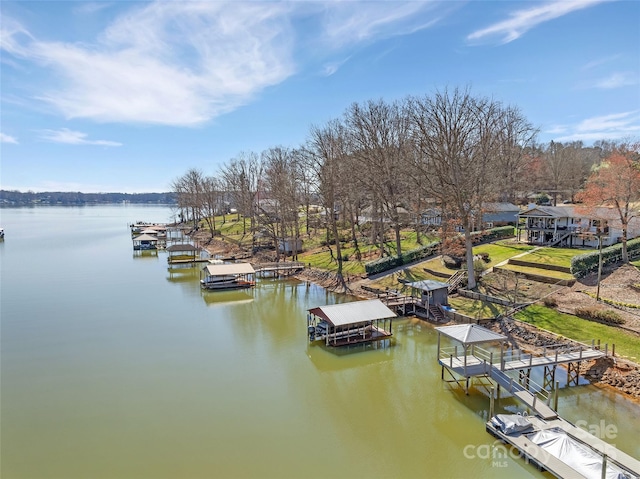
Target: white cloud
(4, 138)
(522, 21)
(606, 127)
(173, 63)
(71, 137)
(617, 80)
(601, 61)
(184, 63)
(353, 22)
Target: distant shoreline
(56, 198)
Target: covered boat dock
(350, 323)
(228, 276)
(184, 253)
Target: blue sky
(127, 96)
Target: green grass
(416, 273)
(539, 271)
(554, 256)
(475, 308)
(322, 260)
(501, 251)
(627, 344)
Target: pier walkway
(547, 437)
(283, 268)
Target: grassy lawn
(540, 272)
(416, 273)
(322, 259)
(475, 308)
(627, 344)
(498, 252)
(501, 251)
(554, 256)
(636, 263)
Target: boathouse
(183, 253)
(432, 293)
(228, 276)
(350, 323)
(145, 242)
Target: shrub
(450, 261)
(606, 316)
(550, 302)
(479, 266)
(583, 264)
(384, 264)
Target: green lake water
(114, 366)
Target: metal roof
(354, 312)
(145, 237)
(429, 285)
(470, 333)
(229, 269)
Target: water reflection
(170, 381)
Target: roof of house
(429, 285)
(353, 312)
(502, 207)
(229, 269)
(470, 333)
(551, 211)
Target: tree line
(382, 163)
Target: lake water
(114, 366)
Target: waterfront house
(568, 226)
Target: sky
(126, 96)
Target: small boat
(1, 233)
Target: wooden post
(555, 396)
(613, 350)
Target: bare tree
(328, 155)
(282, 179)
(212, 195)
(516, 138)
(458, 136)
(241, 176)
(379, 134)
(188, 189)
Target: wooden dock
(283, 268)
(538, 444)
